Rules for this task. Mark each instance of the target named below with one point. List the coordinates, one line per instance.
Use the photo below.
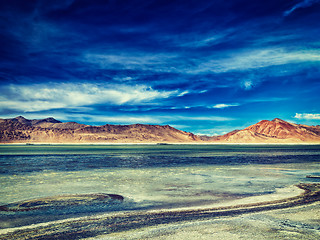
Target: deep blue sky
(202, 66)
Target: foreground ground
(264, 217)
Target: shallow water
(147, 176)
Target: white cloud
(248, 84)
(222, 105)
(43, 97)
(183, 93)
(303, 4)
(254, 59)
(234, 61)
(120, 119)
(308, 116)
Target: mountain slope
(50, 130)
(275, 131)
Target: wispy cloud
(308, 116)
(149, 118)
(119, 119)
(183, 93)
(267, 99)
(239, 60)
(202, 41)
(38, 97)
(258, 58)
(303, 4)
(223, 105)
(247, 84)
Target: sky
(203, 66)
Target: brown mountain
(49, 130)
(275, 131)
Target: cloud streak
(308, 116)
(257, 59)
(223, 105)
(68, 95)
(303, 4)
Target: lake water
(147, 176)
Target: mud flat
(297, 223)
(61, 201)
(104, 225)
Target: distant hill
(50, 130)
(275, 131)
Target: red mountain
(275, 131)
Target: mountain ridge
(277, 131)
(50, 130)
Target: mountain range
(50, 130)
